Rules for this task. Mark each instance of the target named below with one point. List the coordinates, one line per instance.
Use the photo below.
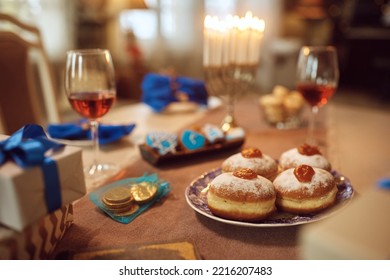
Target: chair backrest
(27, 84)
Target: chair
(27, 84)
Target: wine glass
(91, 91)
(317, 80)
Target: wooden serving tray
(154, 158)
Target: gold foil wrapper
(117, 205)
(133, 208)
(143, 192)
(119, 201)
(117, 195)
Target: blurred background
(166, 35)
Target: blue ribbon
(27, 148)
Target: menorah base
(228, 123)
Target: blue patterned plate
(196, 199)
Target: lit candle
(258, 31)
(233, 23)
(220, 46)
(213, 41)
(244, 28)
(206, 41)
(234, 40)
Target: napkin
(384, 183)
(158, 91)
(108, 133)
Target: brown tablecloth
(173, 219)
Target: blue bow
(73, 131)
(27, 148)
(159, 91)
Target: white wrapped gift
(22, 190)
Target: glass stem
(230, 106)
(229, 121)
(311, 129)
(95, 143)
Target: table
(172, 219)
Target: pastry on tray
(254, 159)
(191, 140)
(241, 195)
(305, 189)
(235, 133)
(162, 142)
(213, 133)
(161, 147)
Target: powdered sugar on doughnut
(258, 187)
(293, 158)
(264, 165)
(287, 182)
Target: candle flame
(230, 22)
(214, 23)
(248, 15)
(259, 25)
(207, 20)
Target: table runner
(173, 219)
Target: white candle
(233, 44)
(245, 33)
(259, 26)
(234, 40)
(218, 47)
(216, 53)
(206, 41)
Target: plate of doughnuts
(254, 197)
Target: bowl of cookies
(282, 108)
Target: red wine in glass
(92, 105)
(316, 95)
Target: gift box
(37, 241)
(30, 191)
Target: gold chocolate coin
(143, 192)
(118, 205)
(117, 195)
(123, 209)
(134, 207)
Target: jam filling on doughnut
(251, 153)
(245, 173)
(304, 173)
(306, 149)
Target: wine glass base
(97, 174)
(228, 123)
